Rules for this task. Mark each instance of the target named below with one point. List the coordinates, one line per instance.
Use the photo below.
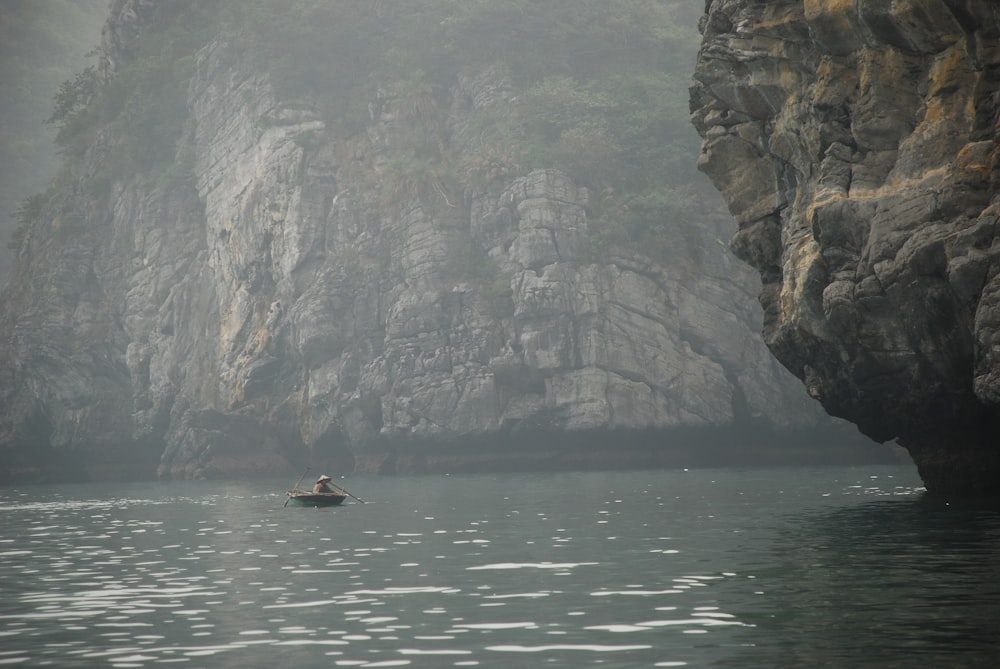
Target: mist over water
(844, 567)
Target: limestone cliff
(285, 296)
(856, 144)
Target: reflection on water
(796, 567)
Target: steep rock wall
(856, 144)
(288, 298)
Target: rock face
(291, 299)
(856, 144)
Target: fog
(42, 43)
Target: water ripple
(586, 647)
(494, 569)
(532, 565)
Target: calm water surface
(826, 567)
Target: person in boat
(323, 484)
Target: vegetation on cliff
(41, 43)
(603, 82)
(143, 105)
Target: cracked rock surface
(856, 144)
(278, 304)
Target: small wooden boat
(307, 498)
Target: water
(826, 567)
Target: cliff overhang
(856, 144)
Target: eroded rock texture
(856, 143)
(286, 297)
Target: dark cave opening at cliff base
(953, 469)
(624, 449)
(329, 454)
(954, 447)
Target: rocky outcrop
(293, 296)
(856, 144)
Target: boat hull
(315, 498)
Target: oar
(346, 493)
(289, 497)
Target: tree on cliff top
(604, 87)
(41, 43)
(604, 81)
